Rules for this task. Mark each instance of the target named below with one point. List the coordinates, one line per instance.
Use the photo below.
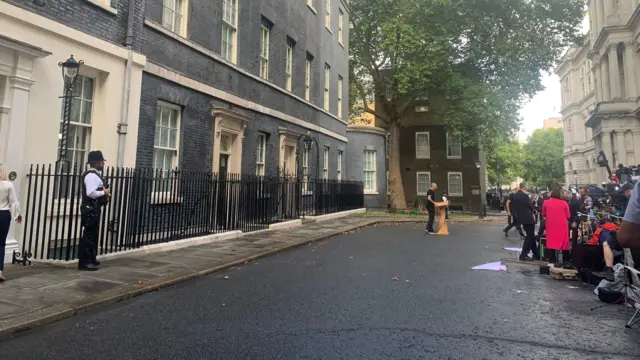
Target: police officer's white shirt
(91, 183)
(9, 199)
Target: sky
(544, 104)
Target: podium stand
(442, 218)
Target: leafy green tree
(543, 165)
(505, 162)
(476, 60)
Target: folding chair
(631, 280)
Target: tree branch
(363, 95)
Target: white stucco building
(31, 83)
(600, 84)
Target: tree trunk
(398, 200)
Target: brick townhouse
(220, 86)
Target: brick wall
(438, 165)
(290, 18)
(197, 133)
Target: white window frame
(229, 52)
(422, 156)
(423, 193)
(340, 27)
(340, 82)
(261, 145)
(339, 169)
(307, 79)
(449, 135)
(79, 102)
(327, 15)
(288, 66)
(265, 35)
(305, 171)
(451, 193)
(325, 164)
(166, 196)
(327, 87)
(374, 190)
(178, 7)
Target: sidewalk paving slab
(40, 294)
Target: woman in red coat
(556, 212)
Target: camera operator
(95, 195)
(629, 234)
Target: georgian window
(325, 164)
(264, 51)
(370, 170)
(423, 182)
(454, 180)
(173, 16)
(340, 96)
(454, 147)
(327, 84)
(423, 145)
(339, 170)
(307, 77)
(327, 14)
(288, 65)
(165, 144)
(261, 147)
(229, 29)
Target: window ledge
(341, 44)
(456, 195)
(104, 7)
(313, 10)
(454, 157)
(370, 192)
(423, 157)
(329, 30)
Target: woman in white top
(9, 210)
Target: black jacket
(574, 207)
(522, 209)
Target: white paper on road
(514, 249)
(495, 266)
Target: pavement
(42, 293)
(381, 292)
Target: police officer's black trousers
(87, 249)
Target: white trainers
(2, 278)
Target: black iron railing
(152, 206)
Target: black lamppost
(480, 209)
(575, 178)
(70, 70)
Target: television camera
(611, 198)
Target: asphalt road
(337, 300)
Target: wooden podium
(442, 218)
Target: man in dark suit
(522, 209)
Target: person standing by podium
(431, 207)
(522, 210)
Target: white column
(600, 15)
(606, 147)
(19, 88)
(597, 80)
(604, 79)
(614, 74)
(620, 148)
(628, 145)
(629, 70)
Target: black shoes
(525, 258)
(88, 267)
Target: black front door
(223, 187)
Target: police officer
(95, 194)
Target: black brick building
(193, 52)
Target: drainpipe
(122, 126)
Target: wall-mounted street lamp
(70, 69)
